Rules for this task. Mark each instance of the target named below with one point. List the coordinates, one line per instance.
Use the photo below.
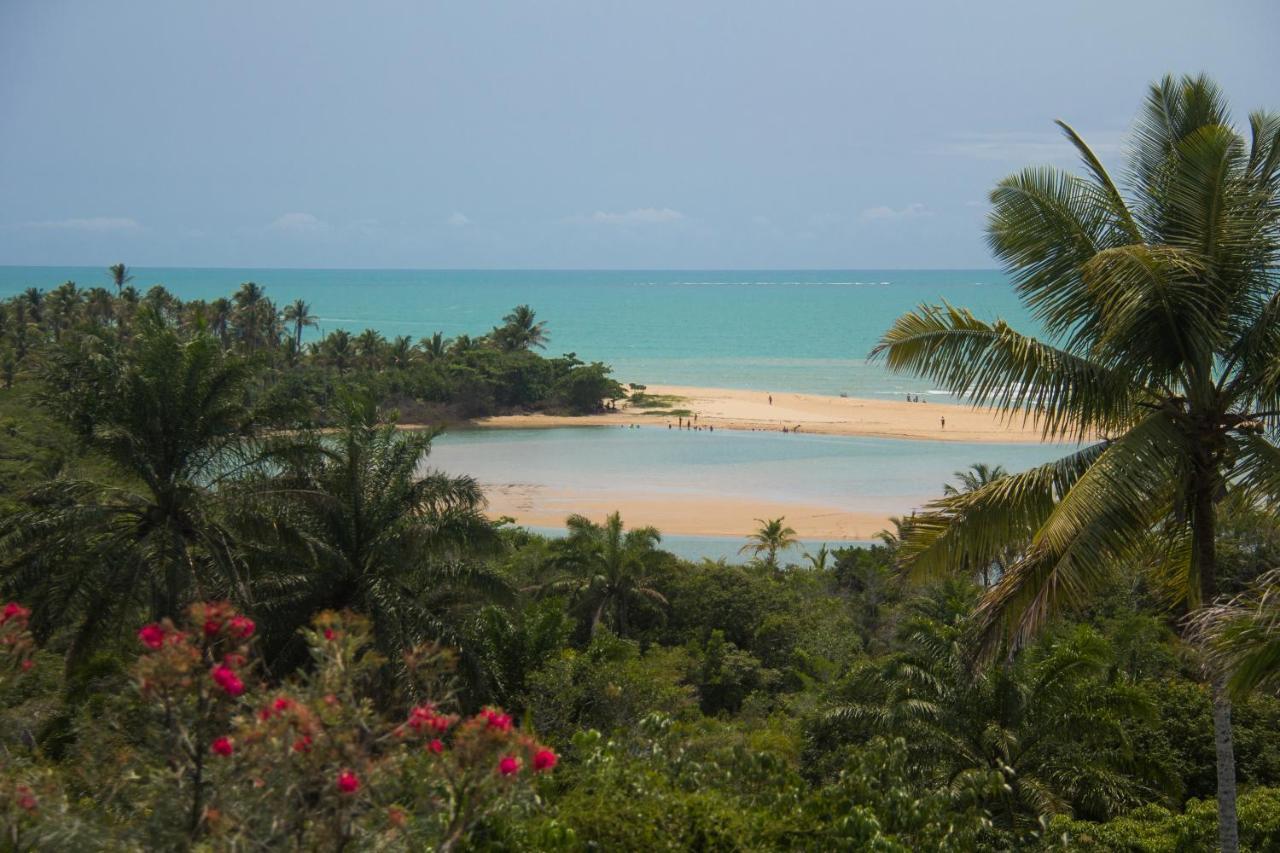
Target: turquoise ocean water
(781, 330)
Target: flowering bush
(223, 757)
(16, 645)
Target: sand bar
(682, 515)
(728, 408)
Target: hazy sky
(567, 134)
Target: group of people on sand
(915, 399)
(691, 422)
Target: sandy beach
(727, 408)
(539, 506)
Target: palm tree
(1053, 726)
(401, 352)
(981, 474)
(819, 559)
(609, 568)
(771, 537)
(521, 330)
(119, 276)
(1162, 306)
(434, 347)
(172, 419)
(336, 349)
(384, 537)
(369, 345)
(220, 319)
(1242, 635)
(298, 312)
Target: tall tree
(1162, 307)
(298, 312)
(609, 568)
(119, 276)
(170, 415)
(384, 537)
(521, 330)
(772, 537)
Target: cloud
(884, 213)
(93, 223)
(298, 223)
(638, 216)
(458, 220)
(1020, 146)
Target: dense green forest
(244, 612)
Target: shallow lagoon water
(855, 474)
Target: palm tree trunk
(1204, 553)
(1228, 831)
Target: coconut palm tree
(369, 345)
(1162, 312)
(384, 536)
(772, 537)
(981, 474)
(819, 559)
(400, 352)
(171, 417)
(298, 312)
(1242, 635)
(434, 347)
(521, 330)
(336, 349)
(119, 276)
(609, 568)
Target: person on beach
(944, 422)
(770, 399)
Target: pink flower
(226, 678)
(329, 634)
(241, 627)
(282, 704)
(348, 782)
(14, 610)
(212, 627)
(497, 720)
(508, 765)
(152, 636)
(27, 664)
(436, 746)
(544, 759)
(222, 746)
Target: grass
(641, 400)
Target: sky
(557, 134)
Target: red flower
(282, 704)
(212, 627)
(436, 746)
(544, 759)
(14, 610)
(303, 744)
(329, 634)
(222, 746)
(508, 765)
(226, 678)
(497, 720)
(26, 799)
(27, 664)
(152, 636)
(242, 627)
(348, 782)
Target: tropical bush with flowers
(207, 751)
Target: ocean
(778, 330)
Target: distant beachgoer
(668, 424)
(944, 423)
(770, 399)
(712, 427)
